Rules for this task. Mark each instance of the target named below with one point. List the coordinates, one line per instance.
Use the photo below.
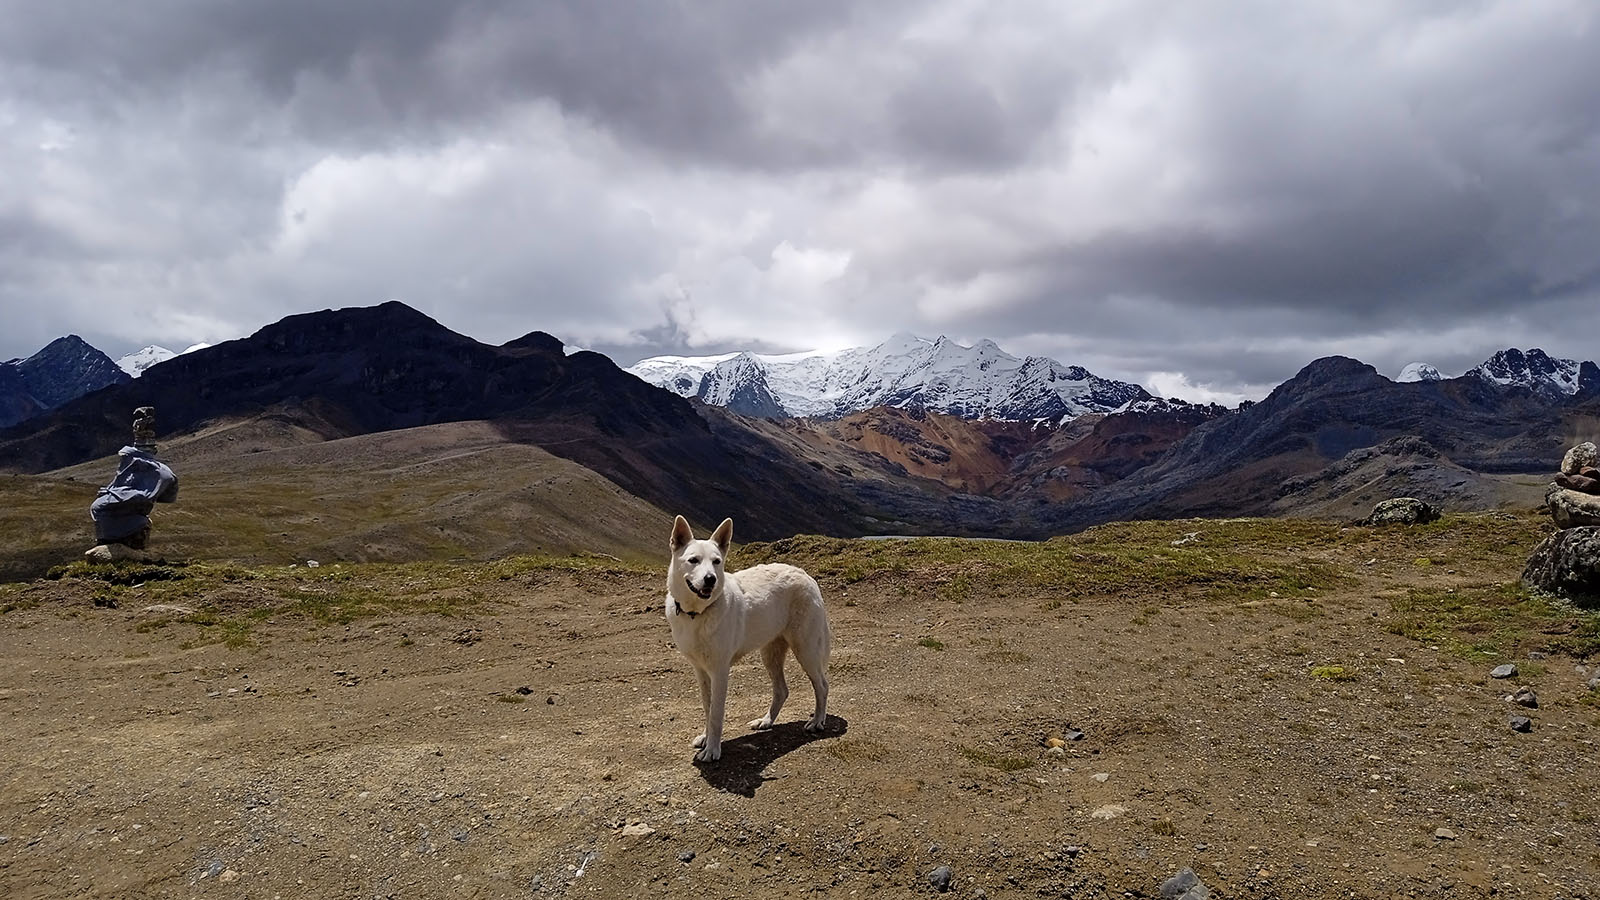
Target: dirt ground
(533, 741)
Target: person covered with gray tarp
(121, 512)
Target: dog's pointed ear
(723, 536)
(681, 533)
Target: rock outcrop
(1403, 511)
(1567, 564)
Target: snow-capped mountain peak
(905, 371)
(1419, 371)
(135, 363)
(1535, 370)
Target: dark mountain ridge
(64, 370)
(340, 373)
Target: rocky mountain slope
(1025, 461)
(904, 372)
(67, 368)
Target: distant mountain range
(66, 369)
(961, 440)
(1535, 370)
(904, 372)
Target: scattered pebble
(312, 564)
(1057, 751)
(228, 877)
(637, 829)
(1108, 812)
(1524, 697)
(1072, 850)
(1074, 735)
(1101, 777)
(1535, 654)
(1055, 742)
(940, 878)
(1509, 670)
(1521, 723)
(1594, 683)
(686, 856)
(1444, 834)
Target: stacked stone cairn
(1567, 563)
(121, 510)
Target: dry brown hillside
(264, 491)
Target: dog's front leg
(704, 680)
(717, 699)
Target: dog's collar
(691, 615)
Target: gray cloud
(1211, 194)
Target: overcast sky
(1200, 197)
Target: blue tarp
(123, 507)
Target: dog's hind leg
(705, 706)
(772, 655)
(813, 657)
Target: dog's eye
(716, 562)
(694, 560)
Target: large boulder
(1403, 511)
(1581, 457)
(1567, 564)
(1572, 509)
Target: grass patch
(1494, 621)
(592, 563)
(851, 750)
(1297, 612)
(511, 698)
(1333, 673)
(1001, 761)
(1007, 656)
(1241, 559)
(119, 573)
(931, 643)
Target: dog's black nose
(711, 582)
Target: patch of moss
(994, 760)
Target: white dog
(716, 618)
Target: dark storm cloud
(1218, 190)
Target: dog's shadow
(742, 768)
